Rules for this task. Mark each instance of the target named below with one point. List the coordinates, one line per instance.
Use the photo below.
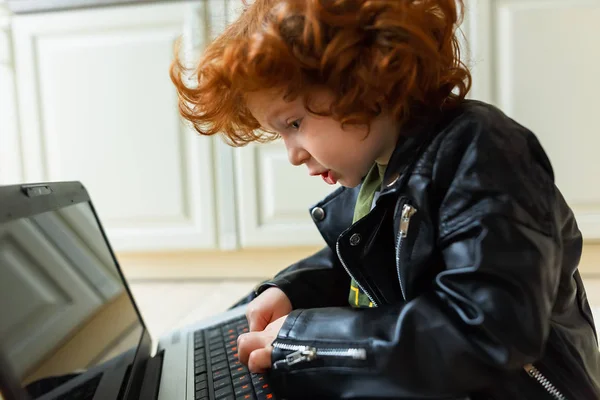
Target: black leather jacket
(470, 255)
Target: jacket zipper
(337, 249)
(302, 353)
(548, 386)
(407, 212)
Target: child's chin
(348, 183)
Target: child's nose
(297, 155)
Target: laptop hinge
(151, 381)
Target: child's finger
(248, 342)
(257, 320)
(260, 360)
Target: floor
(167, 305)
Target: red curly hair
(399, 55)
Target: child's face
(327, 150)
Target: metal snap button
(355, 239)
(318, 214)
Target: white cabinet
(97, 105)
(10, 160)
(85, 95)
(274, 198)
(538, 61)
(268, 206)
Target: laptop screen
(67, 323)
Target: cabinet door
(43, 297)
(97, 105)
(538, 61)
(271, 198)
(274, 198)
(10, 162)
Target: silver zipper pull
(407, 212)
(303, 355)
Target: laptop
(70, 327)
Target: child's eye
(295, 124)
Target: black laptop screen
(67, 324)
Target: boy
(451, 265)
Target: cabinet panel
(10, 160)
(97, 105)
(537, 60)
(274, 198)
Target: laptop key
(223, 392)
(200, 369)
(246, 396)
(201, 385)
(215, 339)
(241, 380)
(258, 380)
(222, 382)
(230, 346)
(200, 362)
(243, 389)
(239, 371)
(214, 350)
(232, 350)
(218, 374)
(201, 393)
(229, 330)
(217, 351)
(262, 394)
(200, 378)
(233, 358)
(218, 359)
(220, 365)
(199, 353)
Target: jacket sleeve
(486, 314)
(316, 281)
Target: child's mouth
(329, 178)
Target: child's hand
(266, 308)
(254, 348)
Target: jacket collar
(415, 135)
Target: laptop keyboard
(219, 375)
